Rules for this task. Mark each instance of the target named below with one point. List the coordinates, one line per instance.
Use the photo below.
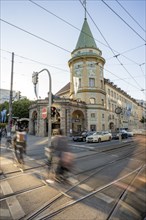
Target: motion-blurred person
(61, 157)
(19, 145)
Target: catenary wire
(67, 71)
(34, 35)
(130, 16)
(123, 20)
(81, 30)
(57, 45)
(116, 56)
(38, 5)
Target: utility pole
(11, 96)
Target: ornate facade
(88, 101)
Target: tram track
(97, 169)
(72, 201)
(66, 193)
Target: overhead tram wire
(35, 61)
(73, 25)
(130, 15)
(38, 5)
(67, 71)
(47, 40)
(123, 21)
(34, 35)
(116, 56)
(126, 51)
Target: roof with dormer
(86, 38)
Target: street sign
(44, 113)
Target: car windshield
(84, 133)
(97, 133)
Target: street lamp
(35, 81)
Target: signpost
(44, 113)
(118, 111)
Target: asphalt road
(108, 181)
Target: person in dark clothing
(62, 158)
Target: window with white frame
(92, 100)
(101, 72)
(79, 83)
(92, 115)
(91, 82)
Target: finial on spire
(84, 3)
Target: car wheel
(84, 139)
(99, 140)
(109, 138)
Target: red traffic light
(53, 111)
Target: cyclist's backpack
(21, 136)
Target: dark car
(124, 135)
(82, 136)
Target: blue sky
(58, 25)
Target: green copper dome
(86, 38)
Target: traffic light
(18, 95)
(53, 111)
(35, 78)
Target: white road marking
(101, 196)
(104, 197)
(72, 180)
(85, 187)
(4, 213)
(83, 146)
(12, 202)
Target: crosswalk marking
(12, 202)
(4, 213)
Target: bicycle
(8, 143)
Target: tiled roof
(86, 38)
(64, 89)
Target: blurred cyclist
(62, 158)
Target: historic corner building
(89, 101)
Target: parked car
(123, 133)
(82, 136)
(130, 133)
(99, 136)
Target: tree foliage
(20, 108)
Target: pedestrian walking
(19, 145)
(61, 157)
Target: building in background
(5, 95)
(88, 101)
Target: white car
(99, 136)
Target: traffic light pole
(49, 107)
(35, 76)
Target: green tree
(20, 108)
